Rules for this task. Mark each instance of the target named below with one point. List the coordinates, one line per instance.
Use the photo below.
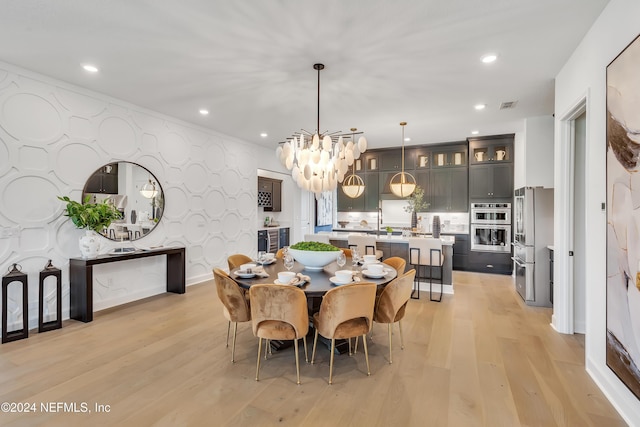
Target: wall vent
(508, 105)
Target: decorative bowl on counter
(343, 224)
(314, 260)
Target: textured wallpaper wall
(54, 135)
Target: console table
(81, 277)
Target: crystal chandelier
(319, 161)
(403, 183)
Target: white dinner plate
(334, 280)
(373, 275)
(268, 262)
(245, 275)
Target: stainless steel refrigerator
(533, 232)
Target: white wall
(584, 75)
(54, 135)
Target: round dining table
(319, 283)
(314, 289)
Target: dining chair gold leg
(233, 347)
(228, 327)
(366, 353)
(390, 346)
(355, 347)
(313, 352)
(295, 346)
(333, 349)
(350, 353)
(266, 348)
(401, 338)
(259, 351)
(304, 341)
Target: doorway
(569, 311)
(579, 224)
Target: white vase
(90, 244)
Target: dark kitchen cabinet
(391, 160)
(270, 194)
(493, 149)
(263, 240)
(371, 191)
(461, 252)
(449, 190)
(283, 238)
(347, 204)
(491, 181)
(551, 275)
(420, 158)
(449, 156)
(104, 180)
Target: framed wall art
(623, 216)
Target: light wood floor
(480, 357)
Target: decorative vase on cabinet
(436, 226)
(89, 244)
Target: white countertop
(273, 227)
(446, 240)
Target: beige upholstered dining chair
(236, 307)
(391, 305)
(426, 252)
(345, 312)
(365, 244)
(399, 264)
(237, 260)
(279, 312)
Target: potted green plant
(416, 204)
(92, 217)
(389, 231)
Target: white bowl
(269, 256)
(344, 276)
(314, 260)
(286, 276)
(245, 267)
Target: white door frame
(563, 291)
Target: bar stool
(426, 252)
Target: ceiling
(250, 63)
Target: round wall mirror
(134, 191)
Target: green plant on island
(416, 201)
(314, 246)
(90, 216)
(389, 230)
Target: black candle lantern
(50, 271)
(15, 275)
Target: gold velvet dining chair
(391, 305)
(399, 264)
(279, 312)
(237, 260)
(236, 307)
(345, 312)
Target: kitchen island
(397, 245)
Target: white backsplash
(394, 215)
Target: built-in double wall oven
(491, 227)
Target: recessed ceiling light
(204, 112)
(90, 68)
(407, 139)
(264, 134)
(474, 132)
(480, 106)
(489, 58)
